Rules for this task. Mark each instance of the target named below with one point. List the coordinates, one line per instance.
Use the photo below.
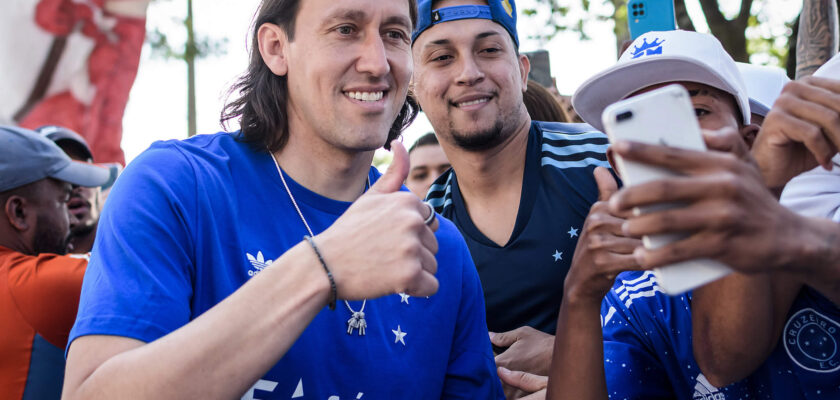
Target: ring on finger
(431, 218)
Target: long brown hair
(262, 95)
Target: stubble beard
(48, 239)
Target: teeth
(469, 103)
(365, 96)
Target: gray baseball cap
(26, 157)
(63, 136)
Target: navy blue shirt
(648, 352)
(523, 280)
(189, 222)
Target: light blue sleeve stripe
(574, 136)
(575, 164)
(578, 148)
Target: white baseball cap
(660, 57)
(764, 85)
(831, 69)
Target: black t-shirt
(523, 280)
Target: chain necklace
(357, 318)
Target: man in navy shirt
(649, 343)
(518, 189)
(217, 256)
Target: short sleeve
(631, 369)
(815, 193)
(45, 290)
(471, 373)
(139, 281)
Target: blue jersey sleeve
(471, 373)
(631, 368)
(139, 281)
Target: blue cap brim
(83, 174)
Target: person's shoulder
(571, 146)
(637, 293)
(440, 193)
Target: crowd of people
(499, 257)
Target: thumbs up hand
(602, 251)
(381, 244)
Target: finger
(425, 209)
(700, 245)
(428, 239)
(540, 395)
(795, 128)
(602, 222)
(818, 90)
(686, 189)
(673, 158)
(727, 140)
(611, 264)
(392, 180)
(428, 261)
(825, 119)
(425, 284)
(506, 339)
(522, 380)
(613, 244)
(712, 215)
(606, 183)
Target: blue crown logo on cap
(648, 49)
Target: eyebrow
(360, 15)
(482, 35)
(702, 92)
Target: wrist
(816, 245)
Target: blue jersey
(189, 222)
(648, 352)
(523, 280)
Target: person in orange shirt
(39, 285)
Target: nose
(373, 59)
(471, 73)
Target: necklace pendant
(357, 321)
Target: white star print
(399, 335)
(558, 255)
(572, 232)
(403, 297)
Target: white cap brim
(622, 80)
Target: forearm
(577, 367)
(818, 37)
(736, 322)
(223, 352)
(818, 263)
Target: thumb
(606, 183)
(504, 339)
(523, 380)
(392, 180)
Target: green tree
(737, 33)
(195, 47)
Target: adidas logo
(259, 263)
(704, 390)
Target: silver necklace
(357, 318)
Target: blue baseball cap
(502, 12)
(26, 157)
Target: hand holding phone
(666, 117)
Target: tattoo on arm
(818, 36)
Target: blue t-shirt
(648, 352)
(189, 222)
(523, 280)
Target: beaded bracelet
(327, 270)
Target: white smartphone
(663, 116)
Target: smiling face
(469, 81)
(348, 69)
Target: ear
(16, 211)
(524, 69)
(749, 133)
(273, 44)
